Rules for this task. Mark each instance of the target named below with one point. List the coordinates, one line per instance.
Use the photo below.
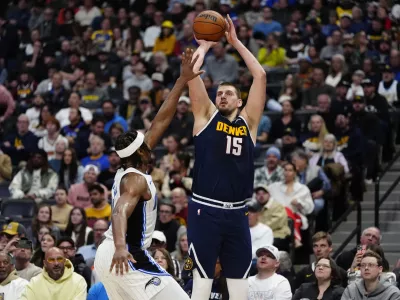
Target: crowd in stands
(76, 74)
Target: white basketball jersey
(142, 222)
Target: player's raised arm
(254, 108)
(168, 108)
(202, 107)
(133, 187)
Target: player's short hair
(237, 90)
(321, 235)
(123, 141)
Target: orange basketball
(209, 25)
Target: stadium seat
(24, 208)
(4, 192)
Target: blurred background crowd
(74, 75)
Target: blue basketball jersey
(224, 162)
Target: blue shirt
(102, 162)
(267, 28)
(116, 119)
(97, 292)
(264, 126)
(88, 252)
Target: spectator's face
(178, 199)
(160, 258)
(42, 232)
(312, 52)
(105, 25)
(57, 81)
(341, 91)
(370, 270)
(90, 177)
(5, 266)
(23, 124)
(376, 25)
(300, 163)
(158, 17)
(272, 161)
(243, 32)
(267, 13)
(316, 124)
(176, 164)
(98, 128)
(165, 214)
(96, 197)
(108, 110)
(90, 81)
(139, 68)
(323, 269)
(358, 106)
(61, 197)
(23, 254)
(187, 31)
(267, 262)
(88, 3)
(387, 76)
(51, 127)
(108, 12)
(114, 159)
(74, 59)
(54, 264)
(367, 66)
(134, 93)
(336, 38)
(60, 147)
(262, 196)
(321, 248)
(37, 161)
(44, 214)
(67, 157)
(253, 218)
(394, 58)
(345, 23)
(227, 100)
(74, 100)
(356, 13)
(329, 145)
(183, 243)
(65, 46)
(287, 108)
(341, 121)
(369, 90)
(289, 173)
(46, 242)
(76, 217)
(99, 228)
(324, 104)
(115, 133)
(182, 107)
(371, 236)
(172, 145)
(318, 76)
(96, 147)
(68, 250)
(24, 77)
(73, 115)
(48, 14)
(337, 64)
(218, 50)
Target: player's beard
(226, 112)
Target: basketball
(209, 25)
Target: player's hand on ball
(205, 44)
(120, 261)
(230, 32)
(187, 65)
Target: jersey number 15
(234, 145)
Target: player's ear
(240, 103)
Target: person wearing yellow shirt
(61, 210)
(166, 41)
(271, 55)
(103, 38)
(101, 208)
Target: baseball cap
(167, 24)
(91, 167)
(359, 99)
(226, 2)
(157, 77)
(111, 150)
(359, 73)
(261, 187)
(346, 15)
(14, 228)
(274, 151)
(387, 69)
(184, 99)
(271, 249)
(367, 81)
(343, 83)
(159, 236)
(288, 131)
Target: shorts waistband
(216, 203)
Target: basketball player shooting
(224, 138)
(122, 261)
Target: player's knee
(238, 288)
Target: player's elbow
(261, 75)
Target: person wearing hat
(339, 104)
(290, 144)
(356, 88)
(10, 234)
(23, 254)
(260, 233)
(37, 171)
(78, 194)
(166, 40)
(267, 284)
(389, 87)
(374, 101)
(273, 214)
(271, 172)
(106, 177)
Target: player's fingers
(126, 266)
(188, 56)
(227, 25)
(112, 266)
(130, 258)
(199, 73)
(230, 21)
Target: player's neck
(142, 168)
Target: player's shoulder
(133, 179)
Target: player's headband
(128, 151)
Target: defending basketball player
(224, 138)
(122, 262)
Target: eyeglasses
(323, 266)
(68, 248)
(53, 260)
(369, 266)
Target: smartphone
(25, 244)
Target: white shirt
(150, 35)
(36, 178)
(14, 289)
(261, 235)
(275, 287)
(63, 116)
(50, 147)
(33, 114)
(354, 90)
(85, 17)
(390, 93)
(144, 82)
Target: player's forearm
(119, 220)
(256, 70)
(201, 52)
(165, 114)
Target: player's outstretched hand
(187, 65)
(205, 44)
(120, 261)
(230, 32)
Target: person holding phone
(23, 254)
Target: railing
(378, 200)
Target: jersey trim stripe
(247, 272)
(144, 225)
(154, 262)
(216, 201)
(248, 128)
(208, 123)
(198, 265)
(218, 206)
